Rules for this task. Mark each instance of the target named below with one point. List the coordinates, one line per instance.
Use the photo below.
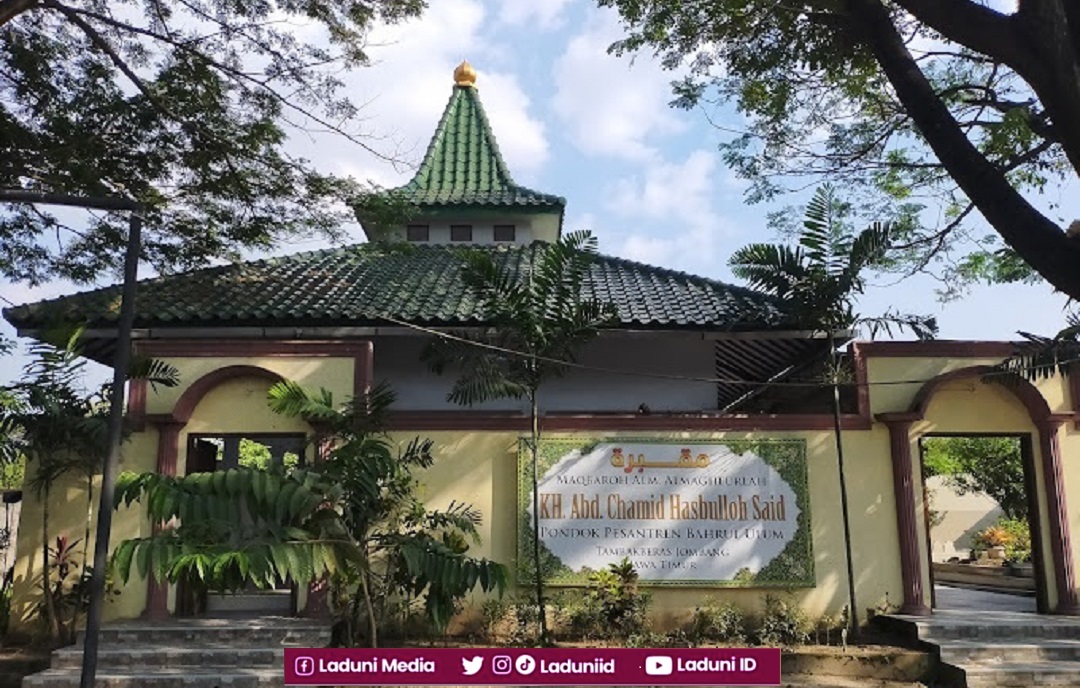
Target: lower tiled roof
(366, 283)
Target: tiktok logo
(304, 666)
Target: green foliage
(354, 519)
(1018, 547)
(1040, 357)
(12, 474)
(783, 623)
(185, 107)
(540, 315)
(835, 90)
(823, 274)
(717, 622)
(613, 606)
(539, 321)
(990, 465)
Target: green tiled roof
(463, 166)
(422, 284)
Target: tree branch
(972, 25)
(237, 75)
(1040, 242)
(9, 9)
(97, 39)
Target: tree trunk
(853, 616)
(373, 627)
(1035, 238)
(52, 621)
(534, 447)
(9, 9)
(85, 544)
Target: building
(664, 446)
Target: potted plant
(993, 540)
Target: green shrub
(622, 605)
(718, 623)
(1018, 546)
(783, 623)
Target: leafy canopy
(824, 273)
(991, 465)
(932, 112)
(184, 106)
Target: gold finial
(465, 75)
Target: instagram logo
(304, 666)
(501, 665)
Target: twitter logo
(471, 666)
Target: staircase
(193, 653)
(997, 649)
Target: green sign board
(722, 513)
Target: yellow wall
(235, 406)
(969, 405)
(480, 468)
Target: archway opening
(981, 517)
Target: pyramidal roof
(463, 167)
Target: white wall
(962, 516)
(397, 360)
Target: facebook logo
(304, 666)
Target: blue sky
(571, 119)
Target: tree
(821, 278)
(539, 320)
(50, 421)
(352, 517)
(907, 101)
(993, 466)
(184, 106)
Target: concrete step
(933, 629)
(224, 631)
(1023, 675)
(159, 656)
(163, 678)
(1020, 650)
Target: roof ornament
(465, 75)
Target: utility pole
(121, 365)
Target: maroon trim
(1047, 425)
(1026, 392)
(1060, 539)
(862, 381)
(168, 452)
(937, 348)
(567, 421)
(242, 348)
(907, 528)
(185, 405)
(136, 410)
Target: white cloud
(611, 105)
(543, 13)
(409, 83)
(677, 198)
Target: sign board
(730, 513)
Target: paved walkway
(967, 599)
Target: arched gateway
(962, 401)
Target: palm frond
(154, 371)
(773, 268)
